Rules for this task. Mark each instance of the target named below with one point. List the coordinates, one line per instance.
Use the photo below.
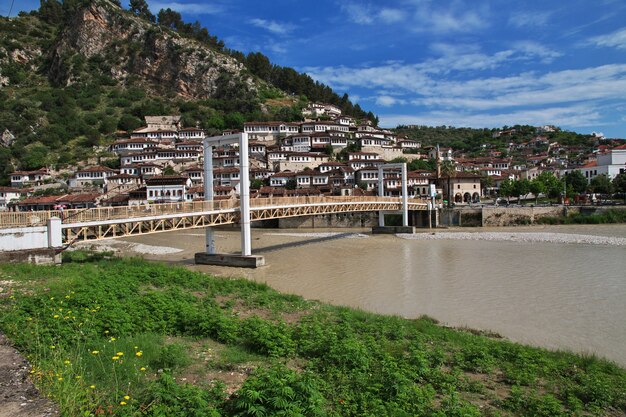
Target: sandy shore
(528, 237)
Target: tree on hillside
(537, 187)
(486, 182)
(169, 18)
(554, 186)
(619, 184)
(601, 185)
(506, 189)
(577, 180)
(521, 189)
(141, 9)
(51, 11)
(448, 170)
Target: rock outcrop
(129, 48)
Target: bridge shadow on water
(288, 245)
(281, 246)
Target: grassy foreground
(127, 337)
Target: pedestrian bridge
(112, 222)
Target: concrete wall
(337, 220)
(33, 256)
(511, 216)
(22, 238)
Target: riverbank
(128, 336)
(550, 294)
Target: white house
(25, 178)
(167, 188)
(8, 195)
(96, 176)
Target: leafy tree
(51, 11)
(537, 187)
(507, 188)
(554, 186)
(486, 182)
(521, 188)
(422, 164)
(129, 123)
(577, 180)
(601, 184)
(619, 184)
(448, 170)
(256, 184)
(234, 120)
(291, 184)
(141, 9)
(169, 18)
(168, 170)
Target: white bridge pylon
(405, 197)
(244, 186)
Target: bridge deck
(103, 214)
(110, 222)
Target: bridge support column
(55, 237)
(246, 259)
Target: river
(560, 287)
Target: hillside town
(327, 154)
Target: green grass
(124, 335)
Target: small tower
(438, 159)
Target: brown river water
(560, 287)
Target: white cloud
(562, 116)
(391, 15)
(529, 19)
(190, 8)
(272, 26)
(613, 40)
(535, 50)
(358, 13)
(529, 89)
(388, 101)
(454, 17)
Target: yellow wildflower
(66, 362)
(95, 352)
(56, 316)
(138, 353)
(115, 358)
(122, 402)
(120, 353)
(60, 378)
(92, 386)
(126, 397)
(142, 369)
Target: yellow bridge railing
(73, 216)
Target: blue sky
(477, 63)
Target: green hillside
(73, 74)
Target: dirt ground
(18, 395)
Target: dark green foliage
(577, 181)
(279, 391)
(601, 184)
(332, 361)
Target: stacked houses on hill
(329, 154)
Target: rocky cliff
(129, 49)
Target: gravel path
(18, 395)
(520, 237)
